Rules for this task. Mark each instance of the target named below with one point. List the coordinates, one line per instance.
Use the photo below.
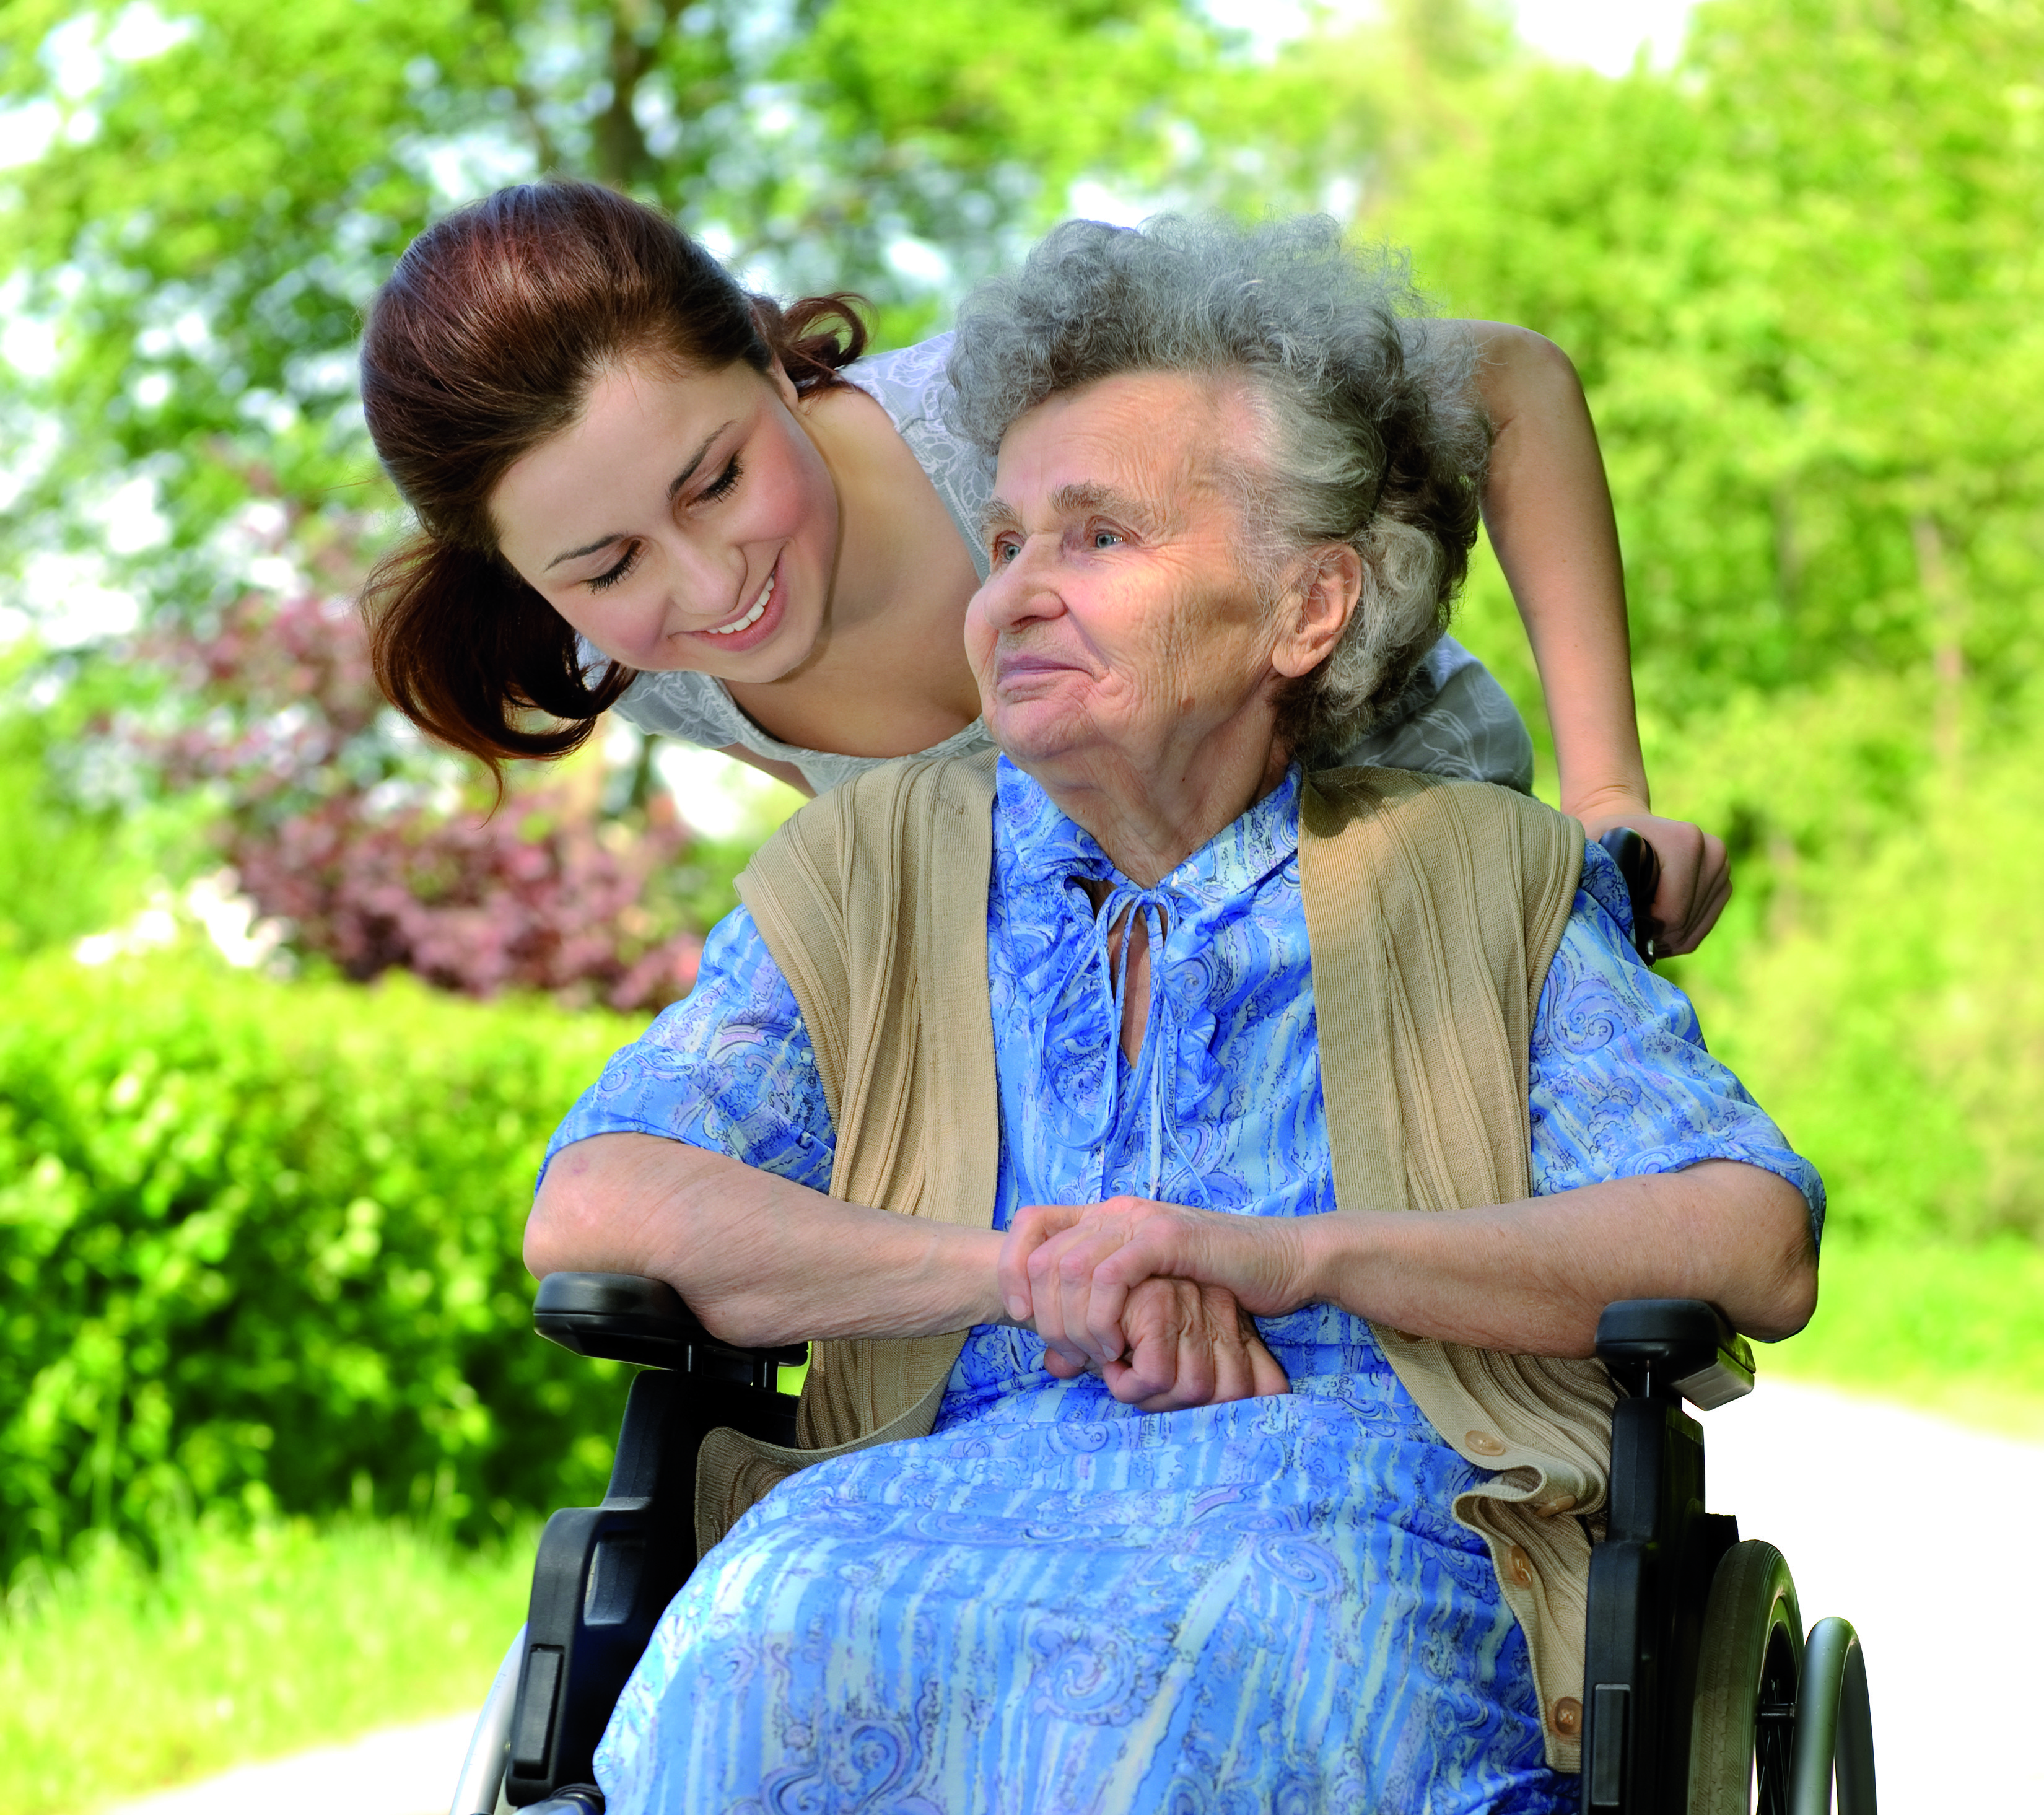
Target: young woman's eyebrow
(674, 490)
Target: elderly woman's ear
(1317, 605)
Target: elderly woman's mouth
(1021, 670)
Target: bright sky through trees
(1604, 34)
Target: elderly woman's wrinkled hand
(1072, 1270)
(1189, 1345)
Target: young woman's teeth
(752, 617)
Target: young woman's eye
(721, 486)
(603, 582)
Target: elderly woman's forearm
(1530, 1277)
(759, 1260)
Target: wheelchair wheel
(1742, 1736)
(1834, 1726)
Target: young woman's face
(683, 522)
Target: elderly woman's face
(1119, 615)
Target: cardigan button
(1483, 1442)
(1568, 1717)
(1522, 1566)
(1561, 1503)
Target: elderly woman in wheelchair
(1212, 1168)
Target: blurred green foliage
(73, 867)
(1888, 1004)
(226, 182)
(260, 1247)
(1947, 1326)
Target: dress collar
(1039, 844)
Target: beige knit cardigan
(1434, 909)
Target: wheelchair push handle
(1640, 865)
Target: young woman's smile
(684, 521)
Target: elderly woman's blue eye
(1105, 538)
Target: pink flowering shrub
(379, 854)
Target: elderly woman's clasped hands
(1157, 1299)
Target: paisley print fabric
(1054, 1602)
(1453, 719)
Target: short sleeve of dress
(729, 1067)
(1621, 1084)
(913, 385)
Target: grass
(115, 1680)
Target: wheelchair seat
(1703, 1694)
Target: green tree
(1800, 290)
(220, 196)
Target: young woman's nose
(705, 584)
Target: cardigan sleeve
(729, 1067)
(1621, 1084)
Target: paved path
(1952, 1626)
(403, 1770)
(1951, 1630)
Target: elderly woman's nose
(1025, 586)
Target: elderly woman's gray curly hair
(1374, 436)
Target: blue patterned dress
(1056, 1603)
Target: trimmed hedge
(260, 1244)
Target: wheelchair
(1703, 1693)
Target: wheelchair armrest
(622, 1317)
(1670, 1347)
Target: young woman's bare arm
(1547, 506)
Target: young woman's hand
(1696, 877)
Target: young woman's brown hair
(484, 343)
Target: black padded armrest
(624, 1317)
(1675, 1346)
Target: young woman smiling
(639, 488)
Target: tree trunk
(618, 143)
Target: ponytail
(466, 650)
(815, 338)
